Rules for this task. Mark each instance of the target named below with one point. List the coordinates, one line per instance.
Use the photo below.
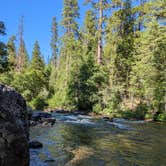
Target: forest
(115, 64)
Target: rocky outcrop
(14, 129)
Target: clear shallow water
(84, 141)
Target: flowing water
(77, 140)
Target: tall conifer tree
(37, 62)
(54, 40)
(12, 54)
(22, 56)
(3, 55)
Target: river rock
(38, 115)
(14, 128)
(35, 145)
(41, 118)
(107, 119)
(32, 123)
(48, 121)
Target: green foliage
(38, 103)
(97, 108)
(139, 113)
(6, 78)
(130, 81)
(161, 117)
(29, 83)
(84, 86)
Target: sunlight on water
(83, 141)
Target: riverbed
(80, 140)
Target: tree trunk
(20, 56)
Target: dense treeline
(114, 64)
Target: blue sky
(37, 20)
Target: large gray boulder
(14, 128)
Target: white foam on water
(80, 121)
(84, 116)
(71, 117)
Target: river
(77, 140)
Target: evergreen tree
(22, 56)
(119, 52)
(68, 53)
(87, 78)
(70, 13)
(37, 62)
(54, 58)
(3, 55)
(89, 34)
(124, 51)
(100, 6)
(54, 40)
(11, 52)
(32, 82)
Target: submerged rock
(38, 115)
(35, 145)
(105, 118)
(48, 121)
(49, 161)
(14, 128)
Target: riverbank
(124, 115)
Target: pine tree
(80, 91)
(11, 52)
(3, 55)
(89, 34)
(54, 40)
(68, 53)
(37, 62)
(100, 6)
(118, 55)
(22, 56)
(124, 58)
(70, 13)
(54, 58)
(87, 77)
(148, 80)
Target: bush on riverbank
(161, 117)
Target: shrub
(139, 113)
(161, 117)
(97, 108)
(38, 103)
